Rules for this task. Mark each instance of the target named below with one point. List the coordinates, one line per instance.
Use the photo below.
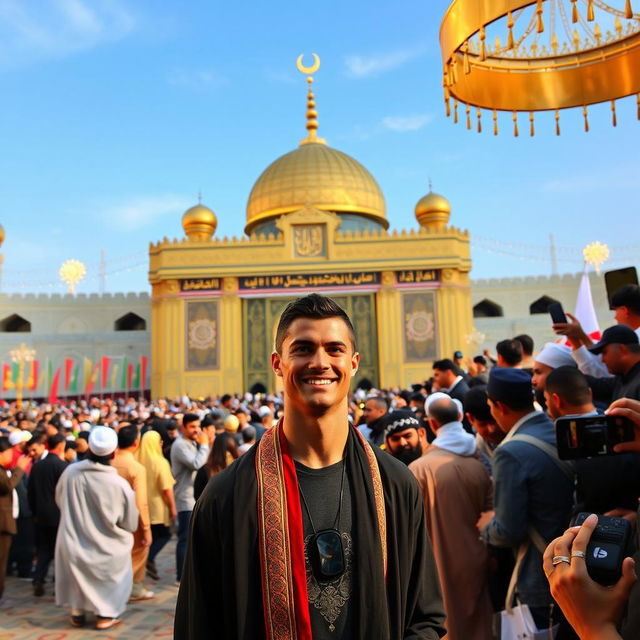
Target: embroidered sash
(281, 536)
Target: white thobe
(98, 514)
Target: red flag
(68, 371)
(92, 380)
(32, 381)
(143, 372)
(129, 375)
(104, 371)
(53, 393)
(6, 377)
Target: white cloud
(33, 31)
(402, 124)
(195, 78)
(142, 211)
(358, 66)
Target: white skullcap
(264, 411)
(439, 395)
(102, 441)
(556, 355)
(18, 437)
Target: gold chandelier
(538, 55)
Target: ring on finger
(559, 559)
(578, 554)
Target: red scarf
(281, 537)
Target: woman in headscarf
(223, 453)
(162, 507)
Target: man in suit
(445, 374)
(8, 482)
(41, 492)
(533, 488)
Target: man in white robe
(98, 514)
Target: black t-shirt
(329, 602)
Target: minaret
(312, 114)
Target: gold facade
(216, 302)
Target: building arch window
(487, 309)
(130, 322)
(15, 324)
(541, 305)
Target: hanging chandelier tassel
(576, 39)
(590, 16)
(614, 119)
(479, 114)
(510, 33)
(454, 71)
(468, 112)
(446, 102)
(557, 122)
(586, 119)
(465, 58)
(628, 12)
(455, 112)
(597, 32)
(532, 130)
(515, 124)
(495, 121)
(483, 50)
(574, 11)
(539, 14)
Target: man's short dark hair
(380, 401)
(444, 410)
(248, 434)
(476, 403)
(480, 360)
(511, 351)
(54, 440)
(627, 296)
(187, 418)
(526, 342)
(570, 384)
(83, 435)
(4, 444)
(445, 365)
(225, 398)
(127, 436)
(312, 306)
(70, 444)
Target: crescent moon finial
(308, 70)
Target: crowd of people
(450, 496)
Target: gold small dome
(199, 222)
(315, 175)
(1, 235)
(433, 211)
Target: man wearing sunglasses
(312, 533)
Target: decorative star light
(71, 273)
(475, 337)
(596, 254)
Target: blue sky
(115, 113)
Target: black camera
(589, 436)
(607, 548)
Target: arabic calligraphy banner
(202, 334)
(417, 276)
(419, 322)
(200, 284)
(302, 281)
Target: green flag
(123, 379)
(136, 378)
(73, 381)
(15, 371)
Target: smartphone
(607, 548)
(589, 436)
(619, 278)
(556, 312)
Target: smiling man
(312, 533)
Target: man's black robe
(221, 593)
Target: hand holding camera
(591, 608)
(630, 409)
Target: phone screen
(619, 278)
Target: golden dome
(433, 210)
(199, 222)
(315, 175)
